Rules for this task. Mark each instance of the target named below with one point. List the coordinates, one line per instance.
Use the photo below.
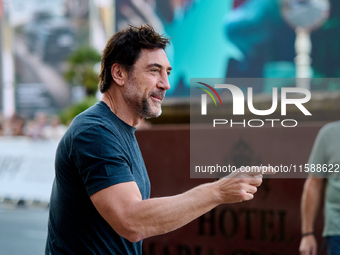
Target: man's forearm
(162, 215)
(310, 204)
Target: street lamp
(304, 16)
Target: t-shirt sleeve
(100, 159)
(318, 153)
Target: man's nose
(164, 82)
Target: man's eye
(154, 70)
(168, 73)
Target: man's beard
(146, 110)
(142, 106)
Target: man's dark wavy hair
(124, 48)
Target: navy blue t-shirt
(97, 151)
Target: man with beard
(100, 197)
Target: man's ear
(118, 73)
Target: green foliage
(80, 69)
(69, 113)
